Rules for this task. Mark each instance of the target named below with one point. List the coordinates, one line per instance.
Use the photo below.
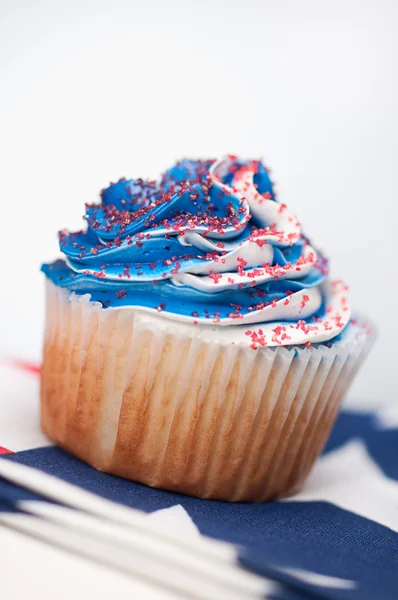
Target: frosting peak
(207, 244)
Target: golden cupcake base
(179, 412)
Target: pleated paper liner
(185, 413)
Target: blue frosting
(133, 244)
(182, 300)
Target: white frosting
(337, 316)
(233, 280)
(267, 211)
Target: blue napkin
(307, 546)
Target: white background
(94, 90)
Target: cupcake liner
(137, 396)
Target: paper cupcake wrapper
(183, 413)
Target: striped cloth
(336, 539)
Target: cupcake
(194, 341)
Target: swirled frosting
(208, 244)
